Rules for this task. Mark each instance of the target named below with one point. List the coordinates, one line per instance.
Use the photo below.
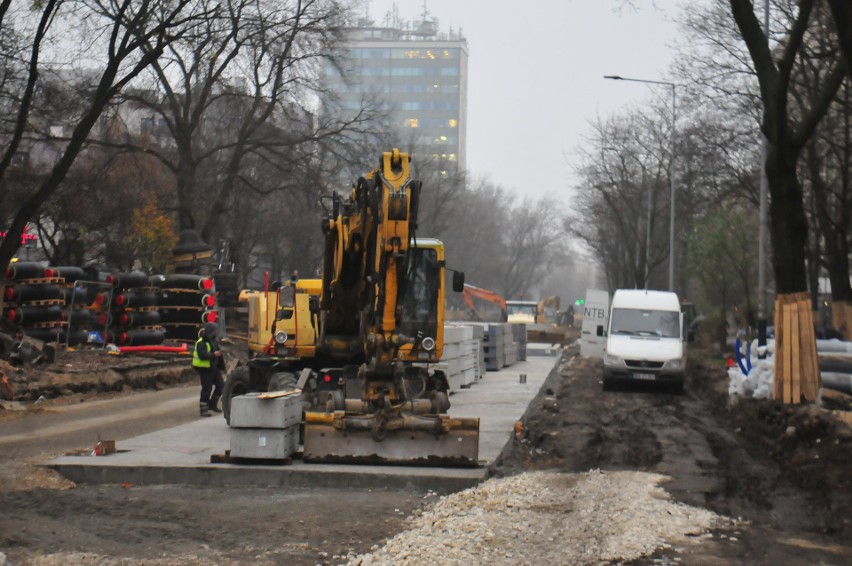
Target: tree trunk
(186, 195)
(789, 226)
(833, 222)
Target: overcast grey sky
(536, 77)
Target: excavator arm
(367, 256)
(470, 292)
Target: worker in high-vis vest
(208, 361)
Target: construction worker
(207, 361)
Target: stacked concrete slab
(478, 346)
(471, 348)
(265, 426)
(460, 360)
(461, 354)
(499, 346)
(519, 333)
(539, 349)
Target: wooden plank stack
(797, 373)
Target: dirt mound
(810, 446)
(812, 449)
(95, 371)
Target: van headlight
(612, 360)
(677, 363)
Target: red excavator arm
(470, 292)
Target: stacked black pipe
(185, 303)
(35, 305)
(78, 317)
(132, 317)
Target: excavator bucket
(346, 439)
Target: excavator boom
(498, 302)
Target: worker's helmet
(211, 330)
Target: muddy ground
(784, 471)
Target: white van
(645, 339)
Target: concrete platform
(181, 455)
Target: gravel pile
(540, 518)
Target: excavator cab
(286, 302)
(422, 300)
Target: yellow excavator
(361, 338)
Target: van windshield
(521, 309)
(663, 324)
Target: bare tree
(242, 90)
(721, 251)
(534, 240)
(786, 131)
(826, 170)
(441, 195)
(120, 29)
(622, 200)
(474, 237)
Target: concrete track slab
(181, 454)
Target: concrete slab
(181, 455)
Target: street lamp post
(764, 220)
(671, 173)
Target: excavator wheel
(282, 381)
(415, 385)
(440, 402)
(331, 401)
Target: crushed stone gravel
(544, 517)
